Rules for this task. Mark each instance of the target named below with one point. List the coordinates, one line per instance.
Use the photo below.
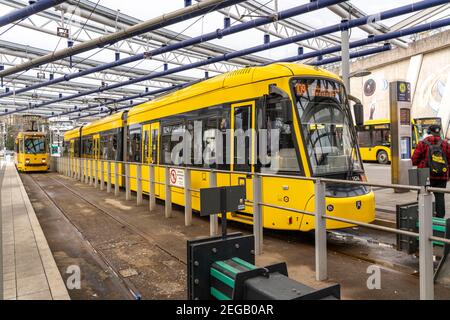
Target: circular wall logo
(369, 87)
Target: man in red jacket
(420, 159)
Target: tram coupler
(223, 267)
(408, 219)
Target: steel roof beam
(319, 32)
(142, 43)
(192, 11)
(162, 35)
(355, 54)
(289, 26)
(347, 11)
(419, 17)
(192, 41)
(23, 13)
(373, 39)
(27, 52)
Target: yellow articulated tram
(31, 152)
(282, 119)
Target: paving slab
(385, 198)
(27, 267)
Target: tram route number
(176, 177)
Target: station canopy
(77, 21)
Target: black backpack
(437, 159)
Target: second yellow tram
(315, 137)
(374, 137)
(31, 152)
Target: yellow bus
(374, 137)
(31, 152)
(304, 111)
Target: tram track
(131, 290)
(357, 243)
(122, 222)
(346, 248)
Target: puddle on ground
(118, 204)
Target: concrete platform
(28, 270)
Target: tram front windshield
(34, 145)
(325, 120)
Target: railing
(87, 171)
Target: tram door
(96, 153)
(71, 151)
(242, 150)
(150, 152)
(96, 148)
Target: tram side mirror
(358, 110)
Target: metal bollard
(258, 222)
(108, 177)
(139, 184)
(91, 171)
(151, 192)
(96, 173)
(80, 172)
(116, 179)
(71, 168)
(214, 218)
(102, 175)
(168, 193)
(425, 245)
(320, 231)
(85, 172)
(187, 198)
(127, 182)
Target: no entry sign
(176, 177)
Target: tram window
(169, 132)
(145, 147)
(134, 150)
(76, 148)
(34, 145)
(108, 146)
(87, 147)
(204, 146)
(211, 126)
(281, 156)
(154, 146)
(242, 138)
(224, 130)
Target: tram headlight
(44, 161)
(27, 161)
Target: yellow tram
(31, 152)
(374, 137)
(303, 111)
